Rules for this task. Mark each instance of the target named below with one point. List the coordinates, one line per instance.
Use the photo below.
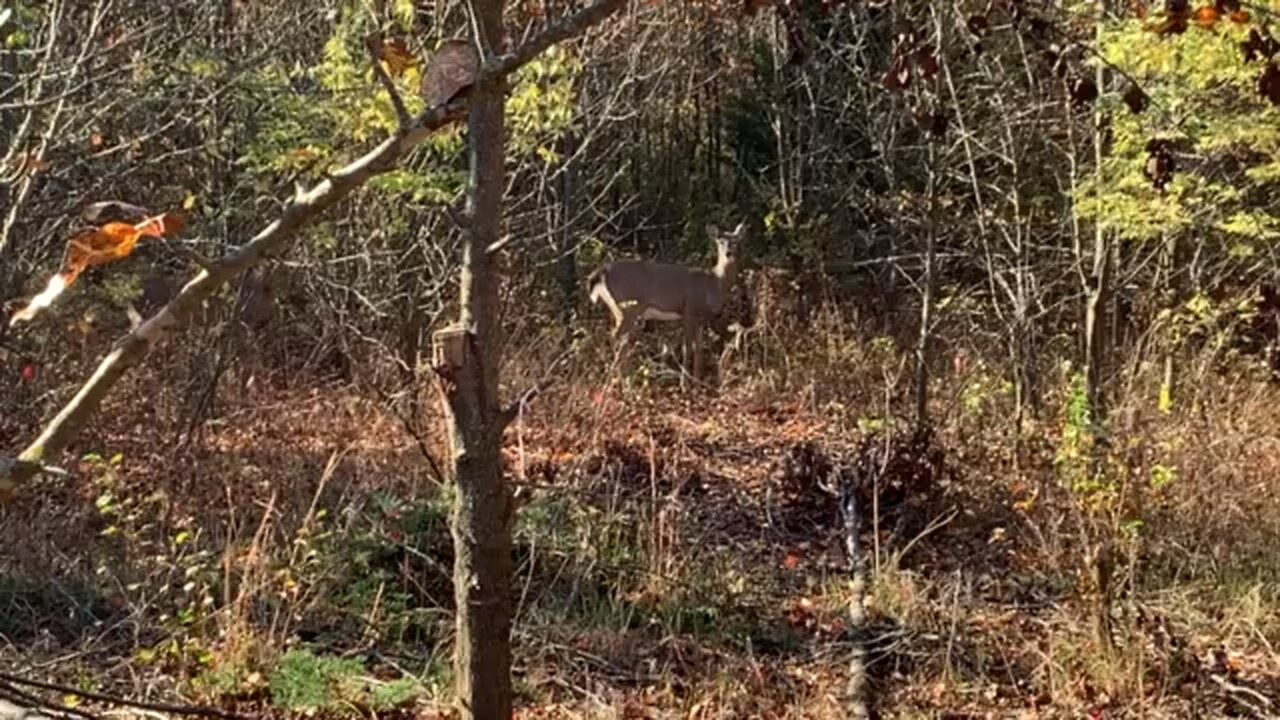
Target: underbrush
(677, 552)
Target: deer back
(667, 288)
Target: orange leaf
(396, 54)
(95, 140)
(161, 225)
(115, 240)
(1206, 15)
(1239, 17)
(791, 561)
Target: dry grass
(676, 555)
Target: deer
(637, 290)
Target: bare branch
(562, 30)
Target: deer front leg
(628, 319)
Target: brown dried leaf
(927, 61)
(1269, 83)
(933, 123)
(1259, 46)
(938, 125)
(1136, 99)
(1159, 167)
(454, 67)
(1083, 90)
(898, 77)
(1040, 29)
(978, 24)
(1176, 15)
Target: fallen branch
(7, 681)
(299, 212)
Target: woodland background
(1023, 253)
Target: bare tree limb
(299, 212)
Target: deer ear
(741, 226)
(713, 230)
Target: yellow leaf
(1026, 503)
(189, 201)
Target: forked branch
(302, 211)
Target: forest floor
(678, 555)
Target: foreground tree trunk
(468, 360)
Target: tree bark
(566, 236)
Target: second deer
(636, 290)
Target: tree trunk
(468, 360)
(1099, 280)
(1171, 292)
(566, 238)
(926, 297)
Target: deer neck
(725, 270)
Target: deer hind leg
(692, 359)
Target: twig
(934, 525)
(499, 244)
(1261, 710)
(373, 43)
(28, 701)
